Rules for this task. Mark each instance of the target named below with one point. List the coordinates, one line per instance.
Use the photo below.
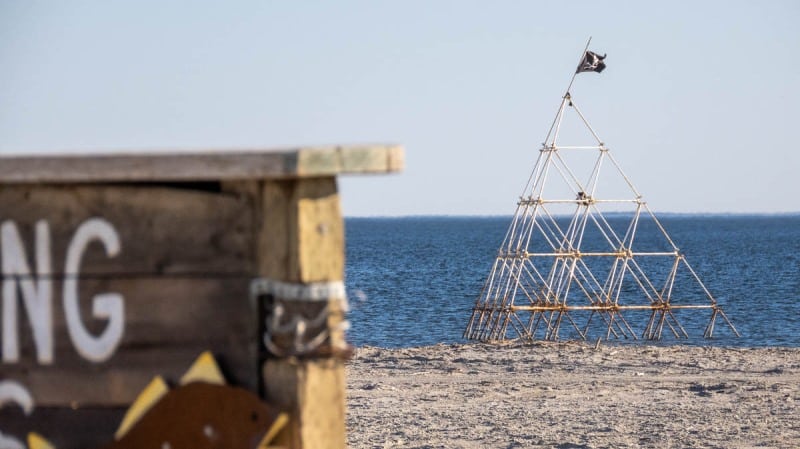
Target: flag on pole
(591, 62)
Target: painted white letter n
(36, 295)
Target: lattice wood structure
(584, 254)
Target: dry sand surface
(571, 395)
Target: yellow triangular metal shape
(36, 441)
(280, 422)
(204, 369)
(154, 391)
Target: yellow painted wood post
(301, 248)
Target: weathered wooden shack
(121, 267)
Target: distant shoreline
(674, 344)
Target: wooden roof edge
(201, 165)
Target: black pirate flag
(591, 62)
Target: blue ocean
(413, 281)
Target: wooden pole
(301, 244)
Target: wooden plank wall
(186, 257)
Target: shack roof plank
(210, 165)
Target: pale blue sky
(700, 101)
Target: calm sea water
(413, 281)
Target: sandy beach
(573, 395)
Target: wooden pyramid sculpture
(584, 256)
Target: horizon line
(704, 214)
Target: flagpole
(556, 119)
(564, 99)
(579, 63)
